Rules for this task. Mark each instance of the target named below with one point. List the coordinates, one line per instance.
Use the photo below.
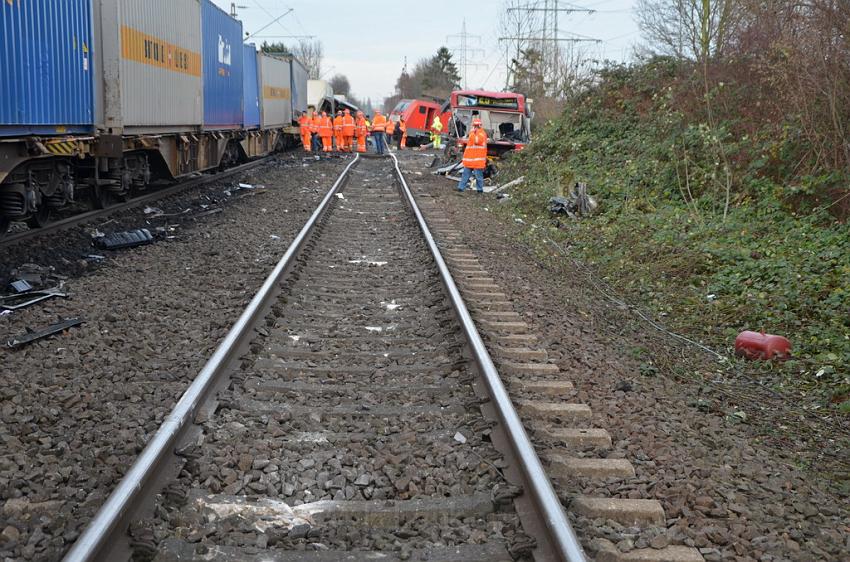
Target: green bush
(776, 262)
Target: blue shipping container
(222, 42)
(45, 67)
(251, 89)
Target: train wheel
(40, 219)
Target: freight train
(99, 98)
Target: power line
(549, 35)
(466, 52)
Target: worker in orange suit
(326, 132)
(338, 131)
(361, 130)
(379, 128)
(402, 126)
(348, 131)
(474, 157)
(315, 125)
(304, 125)
(390, 130)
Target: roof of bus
(503, 95)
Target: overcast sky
(368, 40)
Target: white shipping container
(318, 90)
(151, 58)
(275, 93)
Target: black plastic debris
(120, 240)
(20, 286)
(31, 336)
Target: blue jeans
(316, 142)
(465, 177)
(380, 142)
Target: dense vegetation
(717, 213)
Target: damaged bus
(506, 116)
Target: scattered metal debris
(446, 170)
(120, 240)
(577, 203)
(500, 188)
(21, 286)
(38, 276)
(31, 336)
(17, 302)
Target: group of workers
(321, 133)
(347, 133)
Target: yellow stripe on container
(270, 92)
(147, 49)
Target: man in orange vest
(379, 127)
(315, 125)
(338, 131)
(390, 132)
(474, 157)
(348, 131)
(402, 126)
(326, 132)
(362, 131)
(304, 124)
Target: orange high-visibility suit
(402, 126)
(390, 128)
(338, 132)
(304, 125)
(361, 130)
(475, 153)
(379, 123)
(348, 131)
(326, 132)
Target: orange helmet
(476, 122)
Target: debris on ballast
(21, 286)
(31, 335)
(23, 300)
(121, 240)
(510, 184)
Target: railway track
(351, 413)
(7, 239)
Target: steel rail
(74, 220)
(563, 538)
(94, 542)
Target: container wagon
(104, 96)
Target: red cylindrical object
(755, 345)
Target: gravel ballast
(725, 489)
(78, 408)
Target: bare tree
(693, 29)
(340, 85)
(311, 54)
